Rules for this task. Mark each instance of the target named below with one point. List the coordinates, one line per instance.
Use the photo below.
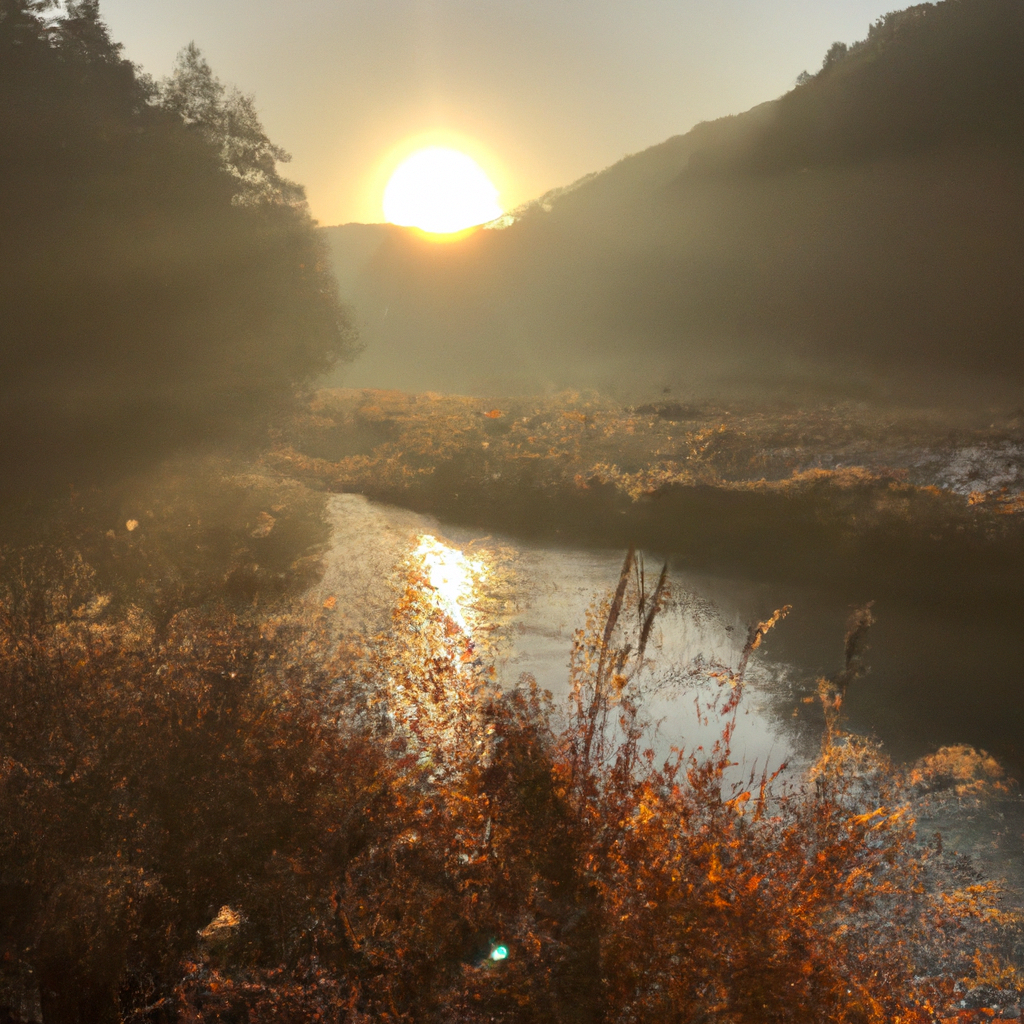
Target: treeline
(162, 282)
(933, 75)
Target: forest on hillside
(163, 283)
(218, 805)
(858, 238)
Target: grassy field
(802, 494)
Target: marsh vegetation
(264, 754)
(222, 801)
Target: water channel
(937, 675)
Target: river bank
(825, 510)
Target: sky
(539, 92)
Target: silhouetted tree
(162, 282)
(228, 120)
(835, 53)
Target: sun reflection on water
(454, 578)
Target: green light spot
(499, 953)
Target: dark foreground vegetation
(220, 809)
(217, 806)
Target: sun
(440, 191)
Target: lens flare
(440, 191)
(453, 577)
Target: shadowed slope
(862, 235)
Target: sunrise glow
(441, 191)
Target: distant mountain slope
(864, 233)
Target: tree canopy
(162, 282)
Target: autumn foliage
(242, 817)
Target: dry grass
(863, 466)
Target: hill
(862, 235)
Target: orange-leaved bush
(250, 820)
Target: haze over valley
(860, 237)
(596, 608)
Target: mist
(607, 614)
(857, 238)
(163, 283)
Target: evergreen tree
(162, 282)
(228, 120)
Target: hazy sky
(541, 92)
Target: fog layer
(862, 236)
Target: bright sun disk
(441, 191)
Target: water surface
(939, 673)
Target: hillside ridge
(860, 236)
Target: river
(939, 673)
